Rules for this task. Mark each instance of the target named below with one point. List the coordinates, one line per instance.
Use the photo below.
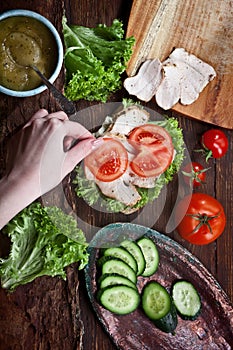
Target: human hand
(39, 155)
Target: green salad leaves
(94, 59)
(44, 241)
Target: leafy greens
(94, 59)
(44, 241)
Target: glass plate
(213, 329)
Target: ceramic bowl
(58, 66)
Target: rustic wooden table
(54, 314)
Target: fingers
(43, 113)
(76, 154)
(77, 131)
(68, 142)
(59, 115)
(79, 152)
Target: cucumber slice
(186, 299)
(157, 305)
(122, 254)
(114, 265)
(156, 301)
(119, 299)
(136, 251)
(151, 255)
(110, 279)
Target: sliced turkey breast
(128, 119)
(144, 182)
(118, 189)
(168, 92)
(181, 77)
(185, 76)
(146, 82)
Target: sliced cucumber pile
(120, 266)
(117, 291)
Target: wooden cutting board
(203, 28)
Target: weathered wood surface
(53, 314)
(203, 28)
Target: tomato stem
(207, 152)
(203, 220)
(194, 175)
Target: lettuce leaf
(44, 241)
(94, 59)
(90, 192)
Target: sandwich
(138, 158)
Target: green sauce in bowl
(25, 41)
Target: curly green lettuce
(94, 59)
(44, 240)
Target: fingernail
(97, 142)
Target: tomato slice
(151, 164)
(155, 150)
(109, 161)
(150, 135)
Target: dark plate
(213, 329)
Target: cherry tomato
(215, 143)
(204, 220)
(150, 135)
(109, 161)
(194, 174)
(155, 150)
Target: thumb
(77, 153)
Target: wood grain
(203, 28)
(53, 314)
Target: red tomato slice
(151, 164)
(109, 161)
(155, 150)
(150, 135)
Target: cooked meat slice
(185, 76)
(128, 119)
(144, 182)
(168, 92)
(145, 83)
(117, 189)
(207, 71)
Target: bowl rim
(51, 27)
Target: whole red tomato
(215, 143)
(204, 220)
(194, 174)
